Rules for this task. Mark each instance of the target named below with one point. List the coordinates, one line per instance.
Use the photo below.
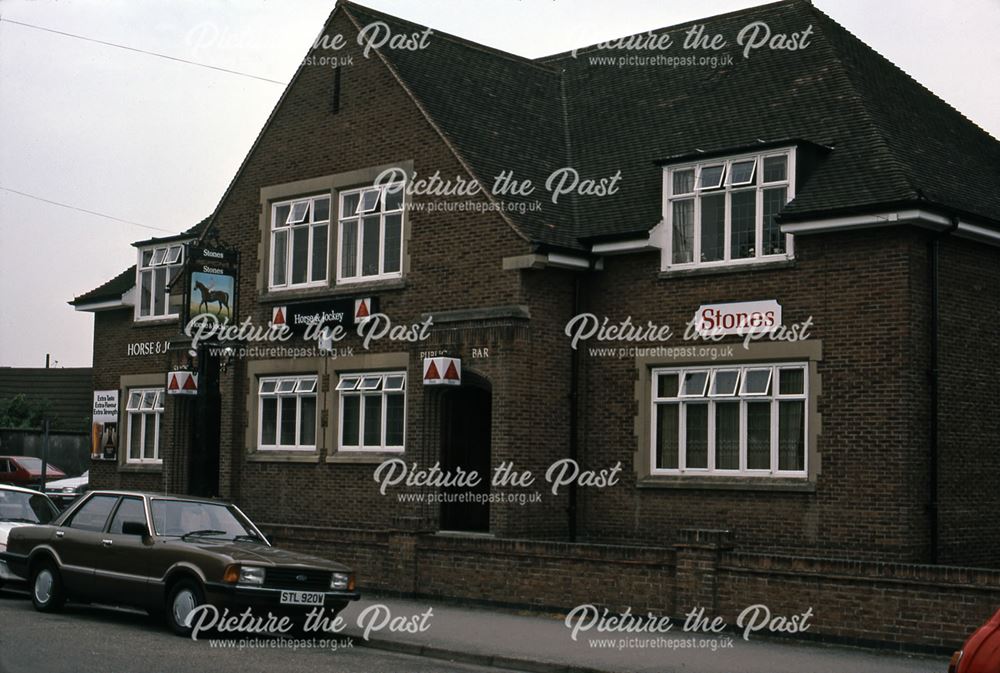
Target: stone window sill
(723, 270)
(351, 289)
(283, 457)
(728, 483)
(362, 457)
(149, 468)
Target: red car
(26, 471)
(981, 652)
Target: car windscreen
(174, 518)
(26, 507)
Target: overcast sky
(155, 142)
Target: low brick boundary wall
(906, 607)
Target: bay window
(722, 212)
(372, 411)
(287, 413)
(732, 420)
(371, 233)
(300, 242)
(157, 269)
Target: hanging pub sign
(182, 383)
(211, 284)
(104, 427)
(442, 372)
(325, 313)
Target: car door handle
(106, 543)
(60, 533)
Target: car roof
(160, 496)
(19, 489)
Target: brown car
(169, 554)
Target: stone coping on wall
(953, 577)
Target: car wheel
(184, 597)
(46, 588)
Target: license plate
(301, 598)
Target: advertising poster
(104, 426)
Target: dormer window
(157, 268)
(722, 212)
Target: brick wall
(904, 606)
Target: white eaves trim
(550, 261)
(623, 247)
(921, 218)
(127, 300)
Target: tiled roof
(109, 291)
(123, 282)
(892, 140)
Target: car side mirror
(135, 528)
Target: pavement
(455, 639)
(542, 643)
(88, 639)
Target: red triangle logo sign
(173, 382)
(451, 374)
(432, 373)
(190, 383)
(279, 316)
(362, 311)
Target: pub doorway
(466, 424)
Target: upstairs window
(300, 242)
(371, 233)
(723, 211)
(157, 269)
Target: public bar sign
(742, 318)
(442, 372)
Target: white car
(65, 491)
(21, 507)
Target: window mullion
(774, 429)
(743, 437)
(696, 256)
(710, 449)
(727, 225)
(298, 421)
(682, 444)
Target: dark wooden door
(466, 418)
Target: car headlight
(236, 574)
(342, 582)
(251, 575)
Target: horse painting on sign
(212, 294)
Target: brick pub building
(854, 470)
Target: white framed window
(157, 268)
(286, 413)
(722, 212)
(371, 233)
(144, 410)
(372, 411)
(730, 420)
(300, 243)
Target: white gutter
(622, 247)
(921, 218)
(101, 305)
